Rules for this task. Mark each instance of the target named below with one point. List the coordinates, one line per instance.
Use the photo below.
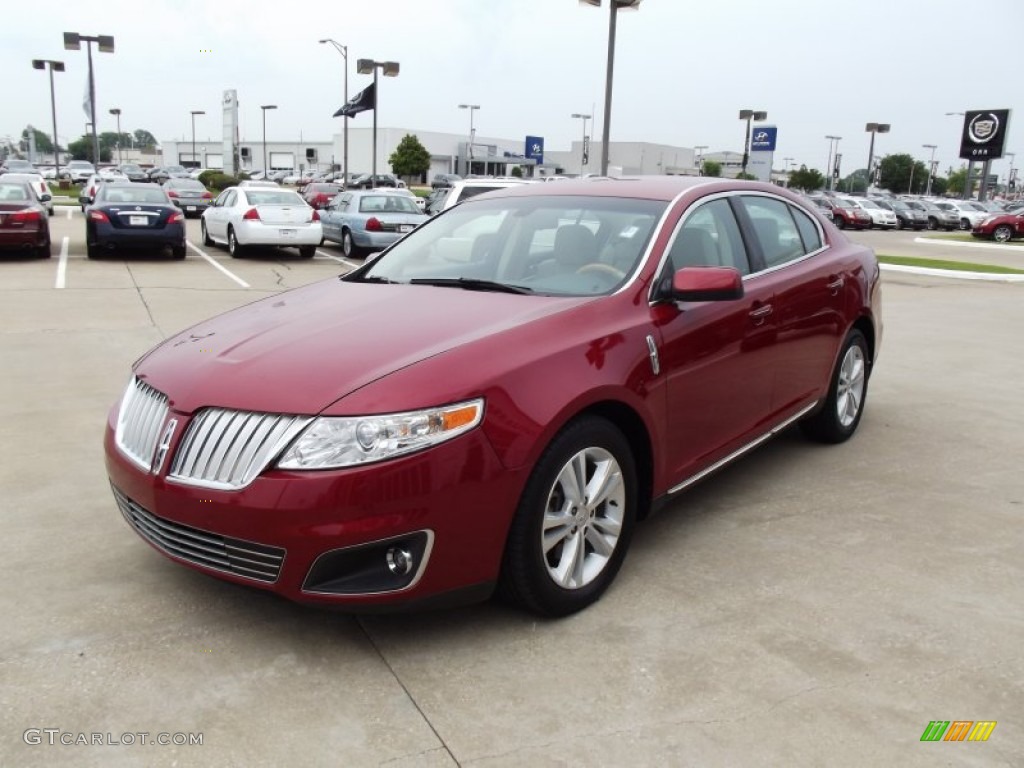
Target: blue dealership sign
(535, 148)
(763, 138)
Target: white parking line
(210, 259)
(70, 211)
(62, 265)
(337, 259)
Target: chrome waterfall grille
(209, 550)
(143, 411)
(227, 449)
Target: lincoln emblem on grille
(165, 444)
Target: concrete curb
(954, 274)
(958, 244)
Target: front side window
(709, 237)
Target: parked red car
(1001, 227)
(845, 213)
(500, 396)
(24, 224)
(319, 194)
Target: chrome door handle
(835, 284)
(759, 314)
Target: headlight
(331, 442)
(988, 220)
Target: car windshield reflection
(553, 245)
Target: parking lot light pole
(265, 107)
(833, 146)
(194, 113)
(583, 147)
(873, 128)
(59, 67)
(748, 115)
(73, 42)
(699, 148)
(931, 167)
(343, 50)
(614, 7)
(469, 149)
(390, 69)
(116, 112)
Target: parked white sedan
(883, 218)
(243, 217)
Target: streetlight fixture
(873, 128)
(194, 113)
(584, 155)
(833, 147)
(343, 50)
(73, 42)
(1010, 175)
(748, 115)
(53, 66)
(614, 7)
(390, 69)
(469, 153)
(700, 158)
(266, 168)
(117, 113)
(931, 167)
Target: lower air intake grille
(209, 550)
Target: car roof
(665, 188)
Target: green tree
(81, 149)
(517, 171)
(939, 185)
(711, 168)
(898, 172)
(410, 158)
(746, 176)
(956, 181)
(856, 183)
(43, 142)
(144, 139)
(807, 179)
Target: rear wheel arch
(865, 325)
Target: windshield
(136, 193)
(867, 204)
(555, 245)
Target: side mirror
(46, 198)
(707, 284)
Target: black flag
(364, 100)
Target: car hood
(300, 351)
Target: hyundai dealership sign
(535, 148)
(763, 138)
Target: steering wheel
(600, 268)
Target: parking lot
(806, 606)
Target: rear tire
(178, 252)
(933, 223)
(307, 251)
(349, 247)
(207, 241)
(574, 521)
(234, 247)
(840, 414)
(43, 251)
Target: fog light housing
(389, 565)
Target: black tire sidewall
(824, 425)
(524, 570)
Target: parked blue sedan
(133, 216)
(370, 220)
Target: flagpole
(373, 177)
(92, 108)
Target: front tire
(839, 416)
(933, 223)
(841, 222)
(574, 521)
(965, 224)
(1002, 233)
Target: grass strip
(952, 266)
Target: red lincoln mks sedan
(496, 400)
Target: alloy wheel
(850, 389)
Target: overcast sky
(683, 68)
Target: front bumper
(298, 526)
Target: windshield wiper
(471, 284)
(372, 279)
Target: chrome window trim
(743, 449)
(655, 233)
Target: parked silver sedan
(370, 220)
(189, 195)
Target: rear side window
(775, 228)
(808, 231)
